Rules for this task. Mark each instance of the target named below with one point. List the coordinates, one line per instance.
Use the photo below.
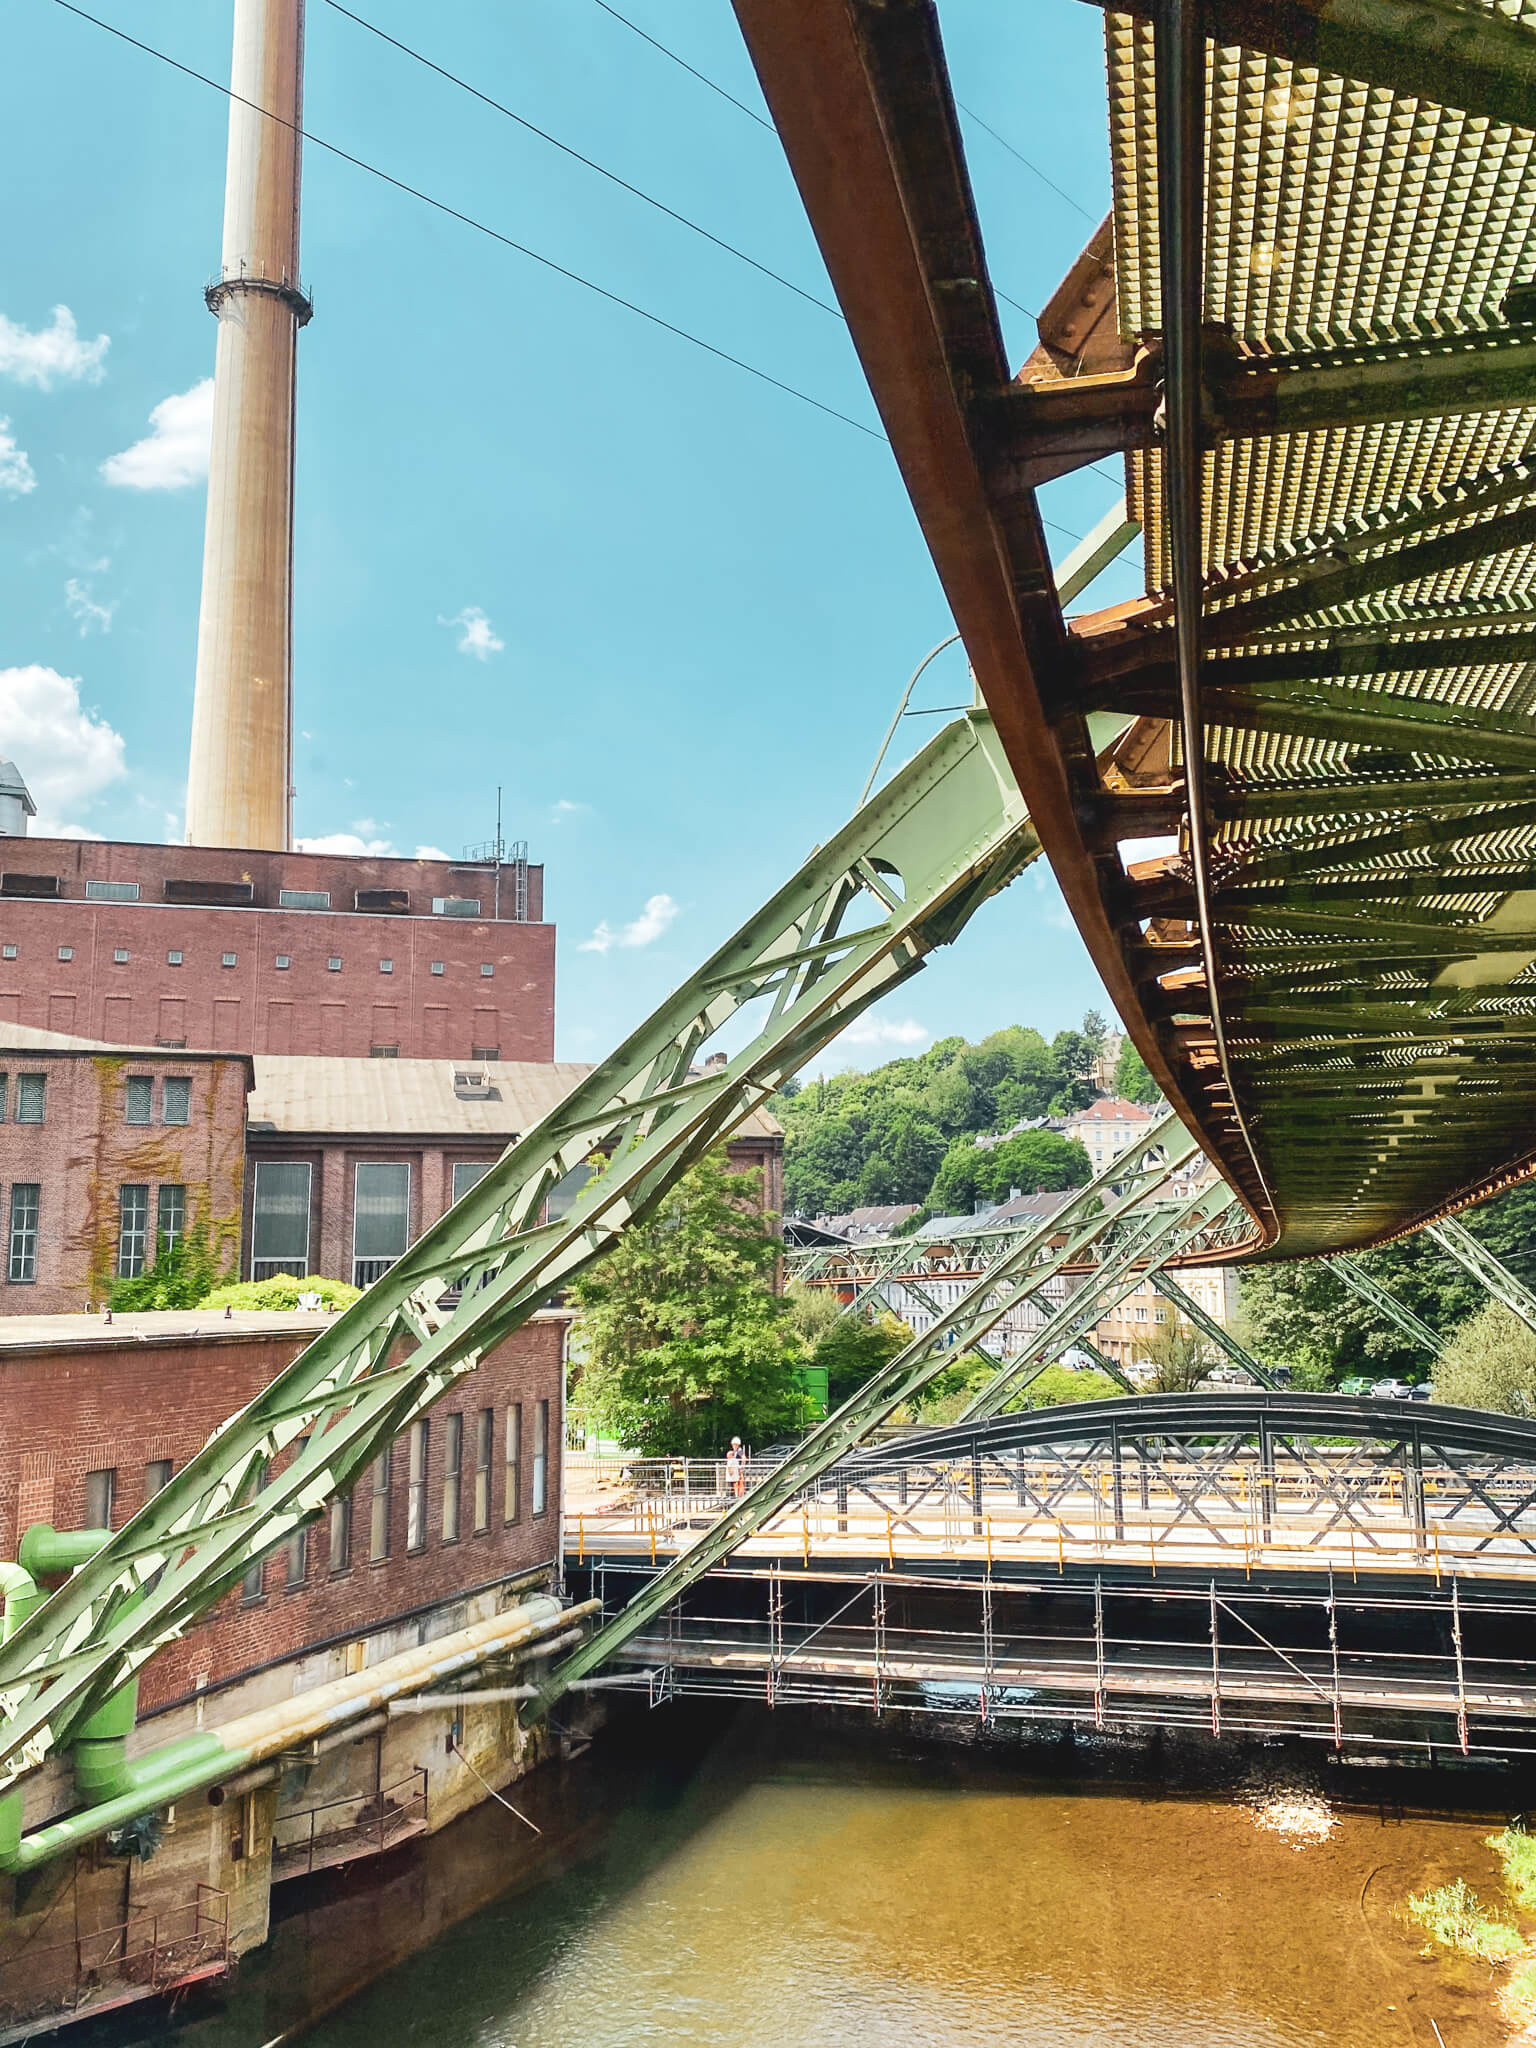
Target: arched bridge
(1359, 1571)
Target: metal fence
(318, 1837)
(111, 1966)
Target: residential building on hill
(1107, 1127)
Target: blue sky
(538, 541)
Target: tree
(1074, 1056)
(1490, 1363)
(1056, 1387)
(1133, 1082)
(855, 1348)
(974, 1173)
(1183, 1359)
(684, 1343)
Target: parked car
(1424, 1391)
(1355, 1386)
(1391, 1390)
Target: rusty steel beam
(860, 95)
(1049, 423)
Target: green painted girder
(1027, 1268)
(1491, 1273)
(1400, 835)
(1147, 1240)
(1218, 1333)
(1337, 796)
(1413, 1327)
(1317, 1017)
(1318, 710)
(947, 832)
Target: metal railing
(147, 1953)
(383, 1818)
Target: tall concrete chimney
(242, 723)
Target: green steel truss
(1145, 1238)
(1413, 1327)
(903, 876)
(1218, 1333)
(1489, 1272)
(1103, 1206)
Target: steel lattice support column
(1468, 1252)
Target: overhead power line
(750, 112)
(565, 149)
(480, 226)
(1003, 142)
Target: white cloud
(343, 842)
(658, 913)
(476, 636)
(563, 808)
(175, 453)
(901, 1031)
(432, 853)
(67, 755)
(83, 608)
(16, 476)
(51, 352)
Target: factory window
(112, 892)
(284, 960)
(485, 1436)
(157, 1477)
(26, 1197)
(170, 1216)
(540, 1457)
(176, 1100)
(437, 965)
(341, 1533)
(386, 967)
(7, 952)
(231, 959)
(378, 1514)
(31, 1098)
(334, 966)
(254, 1584)
(453, 1474)
(280, 1218)
(173, 959)
(100, 1497)
(66, 952)
(304, 899)
(298, 1543)
(380, 1219)
(120, 956)
(4, 1078)
(485, 1052)
(132, 1229)
(455, 906)
(512, 1503)
(141, 1099)
(416, 1488)
(486, 970)
(465, 1174)
(383, 1052)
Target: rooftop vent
(12, 884)
(189, 890)
(395, 901)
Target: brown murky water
(815, 1894)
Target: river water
(752, 1881)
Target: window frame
(485, 1440)
(132, 1229)
(281, 1265)
(22, 1234)
(418, 1470)
(512, 1464)
(140, 1089)
(453, 1476)
(539, 1464)
(178, 1082)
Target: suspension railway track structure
(1307, 331)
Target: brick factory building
(330, 1166)
(468, 1497)
(242, 951)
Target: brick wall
(86, 1398)
(85, 1151)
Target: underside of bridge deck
(1308, 329)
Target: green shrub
(179, 1278)
(1516, 1850)
(1454, 1916)
(281, 1291)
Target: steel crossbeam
(1398, 1312)
(1090, 1212)
(1148, 1240)
(858, 919)
(1188, 1307)
(1469, 1252)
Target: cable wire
(750, 112)
(480, 226)
(1002, 140)
(565, 149)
